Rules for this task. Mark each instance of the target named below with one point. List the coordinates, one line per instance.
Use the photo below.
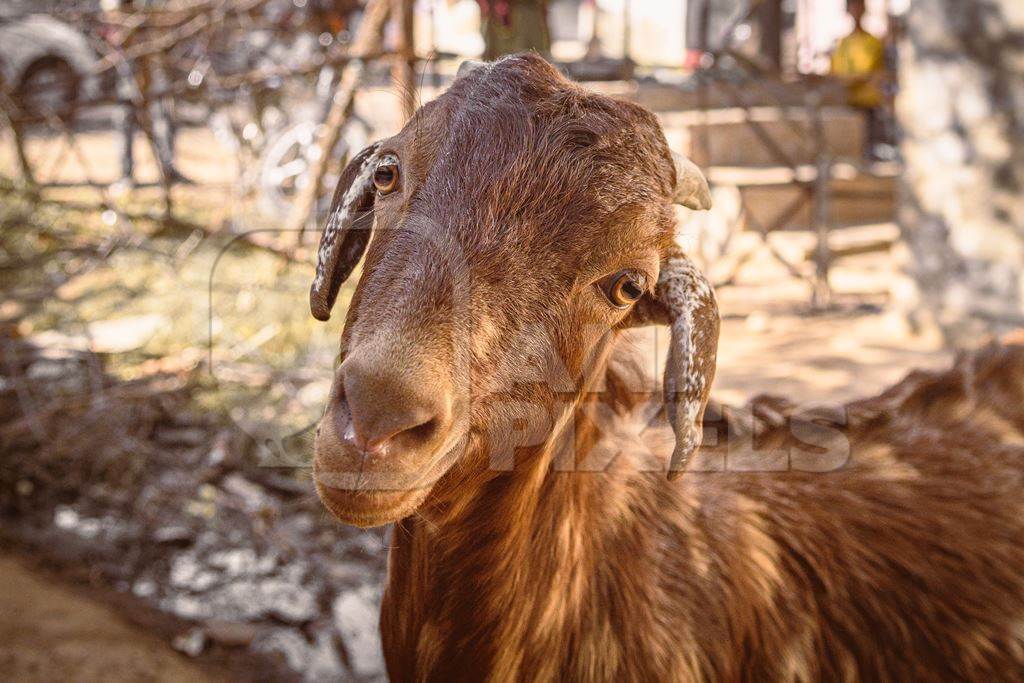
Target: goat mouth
(369, 508)
(367, 496)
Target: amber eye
(625, 288)
(385, 176)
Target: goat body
(900, 558)
(487, 403)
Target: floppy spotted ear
(684, 300)
(347, 231)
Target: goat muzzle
(383, 437)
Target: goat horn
(341, 247)
(685, 301)
(692, 189)
(467, 66)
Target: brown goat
(490, 405)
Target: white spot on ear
(341, 216)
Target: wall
(962, 216)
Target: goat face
(519, 221)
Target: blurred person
(859, 61)
(706, 20)
(141, 85)
(889, 147)
(510, 26)
(698, 28)
(333, 16)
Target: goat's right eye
(385, 176)
(624, 288)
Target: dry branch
(367, 42)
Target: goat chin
(370, 508)
(374, 493)
(368, 499)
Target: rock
(68, 519)
(288, 601)
(241, 562)
(189, 573)
(144, 588)
(58, 374)
(293, 572)
(201, 508)
(188, 607)
(289, 644)
(370, 542)
(324, 663)
(246, 600)
(60, 346)
(252, 495)
(285, 485)
(191, 643)
(46, 370)
(316, 662)
(173, 534)
(230, 633)
(125, 334)
(189, 437)
(207, 492)
(221, 451)
(348, 573)
(356, 618)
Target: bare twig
(367, 41)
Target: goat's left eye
(625, 288)
(385, 176)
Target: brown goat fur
(878, 542)
(902, 561)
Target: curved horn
(341, 246)
(685, 301)
(692, 189)
(468, 66)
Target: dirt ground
(52, 632)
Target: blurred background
(163, 169)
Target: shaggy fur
(898, 558)
(537, 538)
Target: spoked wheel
(49, 88)
(288, 157)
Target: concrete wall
(962, 215)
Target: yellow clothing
(859, 58)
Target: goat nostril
(376, 446)
(408, 437)
(387, 414)
(422, 432)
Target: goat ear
(692, 190)
(685, 301)
(347, 231)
